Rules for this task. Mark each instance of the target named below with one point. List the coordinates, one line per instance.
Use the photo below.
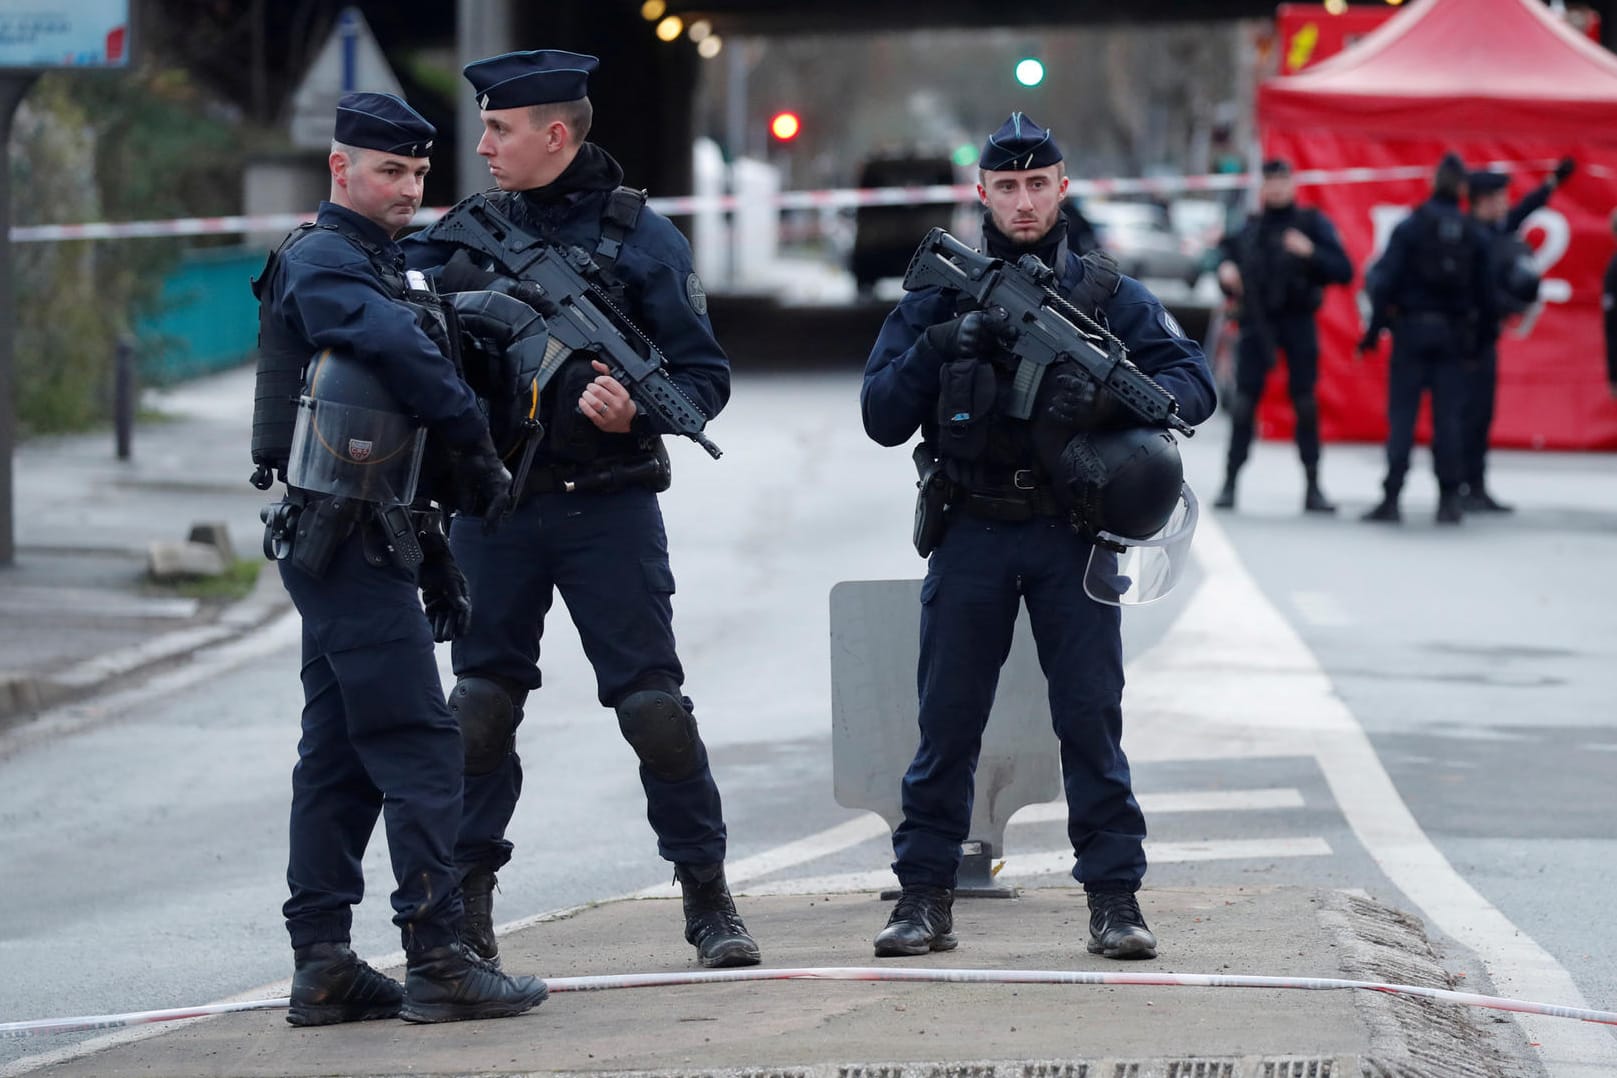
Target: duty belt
(1009, 496)
(604, 475)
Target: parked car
(1142, 239)
(885, 237)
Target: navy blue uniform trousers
(378, 739)
(1295, 335)
(1426, 356)
(1482, 384)
(976, 580)
(607, 554)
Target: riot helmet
(1128, 495)
(353, 439)
(510, 358)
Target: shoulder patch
(1171, 324)
(696, 294)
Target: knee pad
(662, 732)
(487, 718)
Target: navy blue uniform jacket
(665, 298)
(901, 377)
(326, 291)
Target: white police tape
(44, 1027)
(830, 198)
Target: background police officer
(1277, 266)
(602, 547)
(1432, 288)
(1009, 539)
(377, 738)
(1608, 309)
(1515, 285)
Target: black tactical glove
(972, 335)
(443, 586)
(1076, 400)
(1564, 169)
(482, 485)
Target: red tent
(1503, 82)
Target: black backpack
(1445, 261)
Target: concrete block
(166, 560)
(214, 533)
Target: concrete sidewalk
(846, 1029)
(77, 613)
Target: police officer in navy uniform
(601, 544)
(1010, 540)
(1278, 265)
(1608, 310)
(1515, 283)
(1432, 288)
(377, 737)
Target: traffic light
(784, 126)
(1029, 71)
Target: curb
(24, 696)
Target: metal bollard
(123, 395)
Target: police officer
(1009, 539)
(1277, 266)
(1515, 284)
(588, 522)
(1432, 288)
(377, 738)
(1608, 309)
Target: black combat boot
(1478, 500)
(452, 984)
(922, 921)
(1314, 500)
(330, 984)
(1226, 495)
(1116, 926)
(1386, 512)
(477, 930)
(1448, 508)
(712, 924)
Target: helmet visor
(1144, 570)
(353, 452)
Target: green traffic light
(965, 154)
(1029, 72)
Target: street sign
(43, 34)
(350, 60)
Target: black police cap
(514, 80)
(1277, 166)
(1018, 145)
(376, 121)
(1487, 181)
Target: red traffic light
(785, 126)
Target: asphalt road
(144, 853)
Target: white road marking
(1179, 801)
(1232, 678)
(1059, 863)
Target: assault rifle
(1043, 327)
(585, 318)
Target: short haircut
(351, 152)
(577, 115)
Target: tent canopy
(1455, 66)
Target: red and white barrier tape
(49, 1026)
(830, 198)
